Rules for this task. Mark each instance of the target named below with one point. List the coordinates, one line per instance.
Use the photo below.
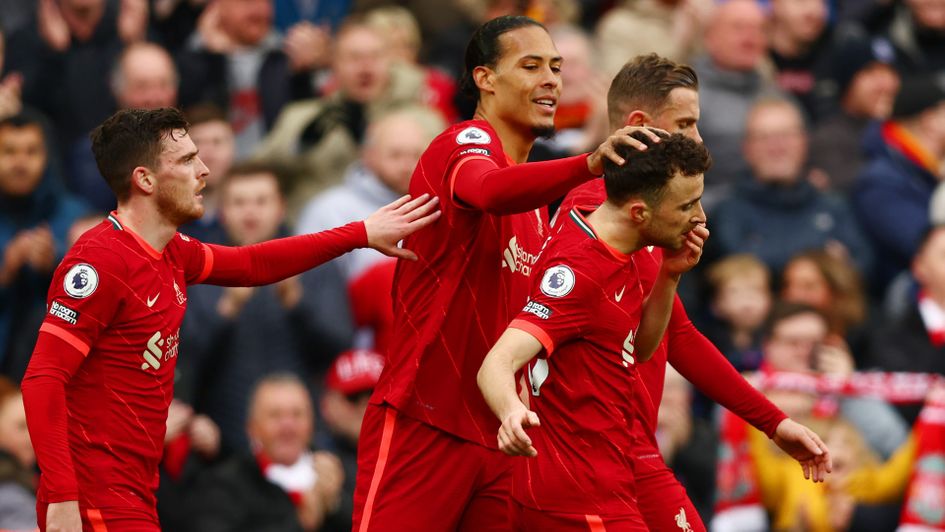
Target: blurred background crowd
(826, 122)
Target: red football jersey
(585, 310)
(452, 304)
(120, 302)
(692, 354)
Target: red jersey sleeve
(86, 292)
(479, 176)
(274, 260)
(698, 360)
(560, 307)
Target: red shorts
(525, 519)
(662, 499)
(108, 520)
(412, 476)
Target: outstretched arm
(275, 260)
(496, 380)
(479, 183)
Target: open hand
(805, 446)
(621, 137)
(394, 221)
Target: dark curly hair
(647, 172)
(132, 138)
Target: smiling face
(678, 211)
(523, 88)
(180, 176)
(281, 421)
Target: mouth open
(548, 105)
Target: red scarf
(899, 137)
(923, 509)
(294, 479)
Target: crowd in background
(825, 120)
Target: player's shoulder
(100, 246)
(472, 137)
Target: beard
(174, 208)
(543, 132)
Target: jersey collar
(118, 226)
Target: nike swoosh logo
(619, 295)
(151, 301)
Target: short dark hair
(645, 83)
(250, 168)
(647, 172)
(785, 310)
(23, 119)
(484, 48)
(131, 138)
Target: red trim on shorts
(595, 523)
(535, 331)
(66, 336)
(97, 521)
(386, 436)
(207, 264)
(452, 180)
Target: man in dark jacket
(283, 486)
(892, 194)
(776, 212)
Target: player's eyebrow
(188, 156)
(536, 57)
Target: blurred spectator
(832, 285)
(392, 146)
(797, 339)
(731, 78)
(282, 486)
(236, 335)
(796, 504)
(65, 64)
(214, 138)
(688, 443)
(238, 61)
(916, 340)
(17, 463)
(741, 299)
(348, 387)
(80, 225)
(11, 85)
(35, 215)
(777, 212)
(800, 42)
(174, 21)
(320, 137)
(917, 29)
(143, 77)
(191, 444)
(669, 28)
(862, 89)
(893, 192)
(402, 32)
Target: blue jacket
(775, 222)
(23, 301)
(891, 200)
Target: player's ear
(638, 118)
(143, 179)
(639, 211)
(484, 78)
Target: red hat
(355, 371)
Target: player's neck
(515, 143)
(145, 221)
(613, 227)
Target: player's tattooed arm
(496, 380)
